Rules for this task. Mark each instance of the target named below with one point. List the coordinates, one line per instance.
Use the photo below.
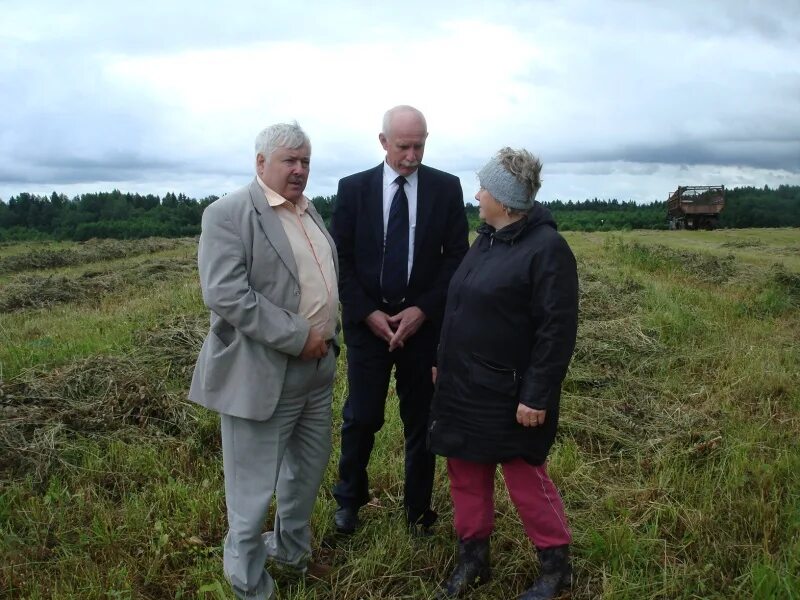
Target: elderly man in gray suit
(268, 272)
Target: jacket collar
(536, 216)
(272, 228)
(508, 234)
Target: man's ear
(384, 142)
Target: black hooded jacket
(507, 337)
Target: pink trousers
(531, 489)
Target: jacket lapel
(374, 202)
(312, 212)
(272, 228)
(425, 205)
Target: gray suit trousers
(285, 455)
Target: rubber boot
(555, 575)
(472, 569)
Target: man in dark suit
(401, 232)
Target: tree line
(129, 216)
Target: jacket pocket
(224, 331)
(493, 376)
(444, 440)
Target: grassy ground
(678, 457)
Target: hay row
(38, 291)
(86, 252)
(657, 257)
(41, 410)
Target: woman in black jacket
(507, 339)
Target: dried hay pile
(172, 347)
(610, 334)
(787, 281)
(743, 244)
(143, 395)
(87, 252)
(656, 257)
(614, 398)
(34, 291)
(38, 291)
(40, 410)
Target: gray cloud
(618, 95)
(761, 154)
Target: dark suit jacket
(441, 240)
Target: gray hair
(524, 166)
(389, 115)
(281, 135)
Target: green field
(678, 456)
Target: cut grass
(56, 255)
(677, 457)
(108, 326)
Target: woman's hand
(530, 417)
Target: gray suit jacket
(249, 280)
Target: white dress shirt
(389, 190)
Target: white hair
(281, 135)
(389, 115)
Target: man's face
(285, 171)
(405, 142)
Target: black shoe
(471, 571)
(555, 575)
(420, 531)
(346, 520)
(421, 525)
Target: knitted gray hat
(506, 189)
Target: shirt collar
(274, 199)
(389, 175)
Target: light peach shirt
(319, 290)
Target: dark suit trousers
(369, 366)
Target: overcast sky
(620, 99)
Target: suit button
(297, 292)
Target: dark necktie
(394, 273)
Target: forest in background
(121, 215)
